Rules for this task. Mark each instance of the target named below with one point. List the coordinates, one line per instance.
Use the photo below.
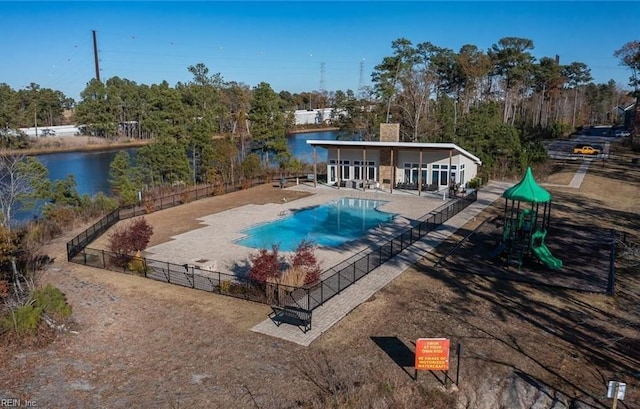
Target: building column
(364, 168)
(420, 173)
(315, 167)
(393, 173)
(450, 164)
(338, 170)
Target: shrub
(99, 205)
(304, 259)
(293, 276)
(278, 288)
(137, 265)
(265, 265)
(41, 231)
(474, 183)
(52, 301)
(225, 286)
(25, 319)
(130, 238)
(149, 204)
(302, 267)
(63, 216)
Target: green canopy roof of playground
(527, 190)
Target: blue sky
(294, 46)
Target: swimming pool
(327, 225)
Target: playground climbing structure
(527, 214)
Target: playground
(527, 244)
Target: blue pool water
(327, 225)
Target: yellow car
(585, 150)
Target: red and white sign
(432, 354)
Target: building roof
(527, 190)
(399, 145)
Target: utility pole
(95, 54)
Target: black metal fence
(78, 243)
(336, 280)
(191, 276)
(185, 196)
(341, 276)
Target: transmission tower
(361, 78)
(321, 76)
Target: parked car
(48, 132)
(586, 150)
(621, 133)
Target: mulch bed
(586, 253)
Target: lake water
(297, 144)
(91, 169)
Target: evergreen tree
(268, 123)
(164, 161)
(123, 179)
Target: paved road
(563, 149)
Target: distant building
(52, 131)
(629, 115)
(313, 116)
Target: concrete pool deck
(213, 245)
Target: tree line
(499, 103)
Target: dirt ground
(136, 343)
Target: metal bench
(297, 316)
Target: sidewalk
(328, 314)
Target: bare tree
(22, 182)
(577, 74)
(629, 56)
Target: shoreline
(327, 129)
(87, 146)
(90, 144)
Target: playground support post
(458, 352)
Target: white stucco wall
(429, 159)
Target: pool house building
(389, 164)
